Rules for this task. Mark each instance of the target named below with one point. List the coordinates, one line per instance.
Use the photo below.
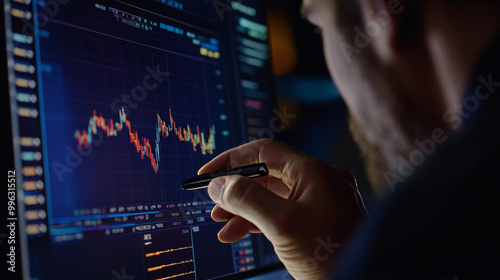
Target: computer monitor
(113, 104)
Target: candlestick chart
(144, 147)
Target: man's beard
(383, 141)
(380, 151)
(375, 164)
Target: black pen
(202, 181)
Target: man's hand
(305, 207)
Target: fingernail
(199, 170)
(214, 189)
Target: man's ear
(404, 20)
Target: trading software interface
(113, 105)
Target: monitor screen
(114, 103)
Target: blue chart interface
(117, 103)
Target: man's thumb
(244, 197)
